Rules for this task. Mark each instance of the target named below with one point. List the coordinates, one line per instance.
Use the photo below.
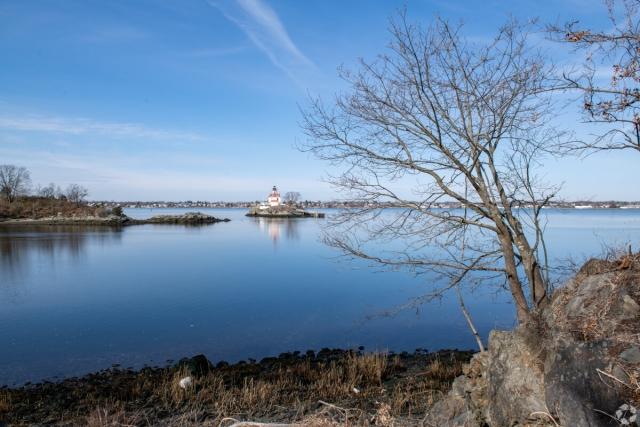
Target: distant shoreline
(345, 204)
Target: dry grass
(619, 278)
(112, 416)
(5, 402)
(602, 314)
(314, 391)
(38, 207)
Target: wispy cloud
(265, 30)
(81, 126)
(269, 22)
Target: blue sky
(196, 99)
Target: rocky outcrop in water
(190, 218)
(579, 366)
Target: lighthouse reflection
(276, 228)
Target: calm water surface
(74, 300)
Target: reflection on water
(22, 248)
(277, 227)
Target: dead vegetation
(40, 207)
(332, 388)
(5, 401)
(616, 289)
(602, 303)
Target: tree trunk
(522, 308)
(537, 284)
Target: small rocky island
(275, 208)
(189, 218)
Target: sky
(200, 99)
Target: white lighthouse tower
(274, 198)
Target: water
(75, 300)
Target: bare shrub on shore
(76, 193)
(50, 191)
(14, 182)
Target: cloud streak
(84, 126)
(265, 30)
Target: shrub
(117, 210)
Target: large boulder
(515, 378)
(577, 364)
(574, 386)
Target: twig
(608, 415)
(237, 423)
(612, 377)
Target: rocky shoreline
(328, 386)
(190, 218)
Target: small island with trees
(50, 205)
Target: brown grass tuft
(5, 402)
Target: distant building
(274, 200)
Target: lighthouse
(274, 198)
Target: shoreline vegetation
(328, 387)
(51, 211)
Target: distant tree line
(15, 182)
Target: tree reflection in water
(22, 246)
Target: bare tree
(613, 101)
(14, 181)
(291, 197)
(437, 120)
(50, 191)
(76, 193)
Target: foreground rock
(577, 367)
(190, 218)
